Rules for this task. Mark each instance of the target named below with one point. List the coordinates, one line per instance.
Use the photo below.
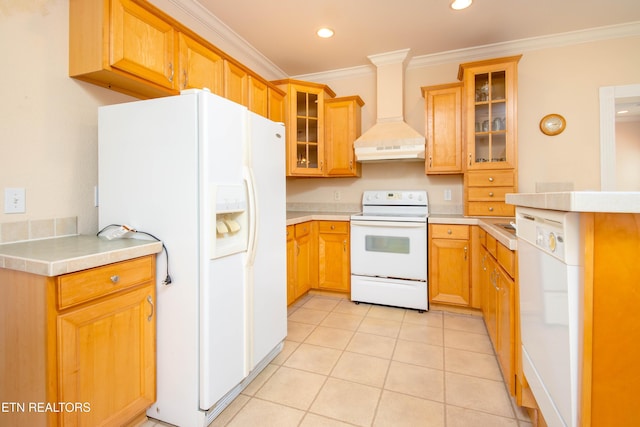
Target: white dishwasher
(551, 310)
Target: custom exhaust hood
(391, 138)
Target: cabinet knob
(449, 231)
(491, 209)
(115, 278)
(490, 179)
(490, 193)
(333, 227)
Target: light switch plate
(14, 200)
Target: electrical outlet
(336, 195)
(447, 194)
(14, 200)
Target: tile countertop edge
(579, 201)
(488, 224)
(47, 258)
(298, 217)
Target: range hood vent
(391, 138)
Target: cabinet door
(106, 357)
(291, 265)
(200, 67)
(341, 129)
(305, 148)
(142, 44)
(490, 309)
(333, 256)
(304, 258)
(449, 262)
(235, 83)
(490, 100)
(276, 105)
(504, 345)
(443, 107)
(258, 97)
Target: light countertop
(580, 201)
(487, 223)
(297, 217)
(52, 257)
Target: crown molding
(630, 29)
(227, 39)
(221, 35)
(529, 44)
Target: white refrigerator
(207, 177)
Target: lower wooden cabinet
(91, 354)
(497, 270)
(318, 257)
(334, 256)
(449, 264)
(302, 267)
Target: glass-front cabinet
(490, 102)
(304, 117)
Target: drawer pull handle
(333, 227)
(491, 209)
(490, 179)
(490, 193)
(115, 278)
(449, 231)
(150, 301)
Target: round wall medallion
(552, 124)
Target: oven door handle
(389, 224)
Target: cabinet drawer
(490, 209)
(507, 259)
(333, 227)
(497, 178)
(488, 194)
(448, 231)
(303, 229)
(75, 288)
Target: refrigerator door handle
(253, 215)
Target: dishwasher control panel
(554, 232)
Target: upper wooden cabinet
(236, 87)
(199, 66)
(276, 104)
(304, 118)
(341, 128)
(321, 130)
(490, 99)
(132, 47)
(443, 110)
(120, 44)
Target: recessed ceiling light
(460, 4)
(623, 111)
(325, 32)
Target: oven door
(389, 249)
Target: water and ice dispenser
(230, 220)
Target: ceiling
(284, 31)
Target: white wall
(48, 121)
(628, 155)
(564, 80)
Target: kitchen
(57, 162)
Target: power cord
(126, 229)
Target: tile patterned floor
(366, 365)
